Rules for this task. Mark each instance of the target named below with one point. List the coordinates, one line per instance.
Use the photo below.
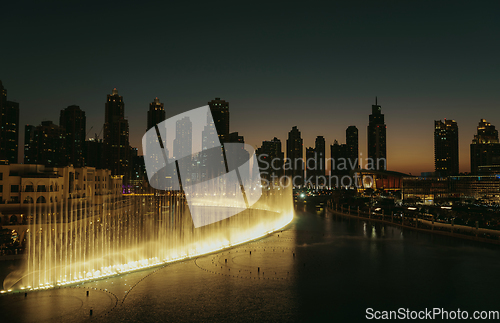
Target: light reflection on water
(322, 267)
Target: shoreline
(430, 231)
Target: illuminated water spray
(66, 245)
(208, 196)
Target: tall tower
(311, 166)
(183, 142)
(94, 153)
(3, 95)
(485, 147)
(344, 157)
(156, 113)
(9, 131)
(183, 147)
(116, 135)
(377, 151)
(220, 114)
(294, 165)
(271, 158)
(351, 138)
(319, 148)
(73, 120)
(29, 144)
(446, 147)
(338, 156)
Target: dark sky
(318, 66)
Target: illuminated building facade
(156, 113)
(489, 170)
(45, 145)
(429, 190)
(116, 135)
(137, 178)
(73, 120)
(29, 135)
(382, 180)
(9, 130)
(220, 115)
(446, 147)
(485, 147)
(24, 186)
(183, 141)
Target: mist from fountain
(68, 243)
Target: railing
(413, 221)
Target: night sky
(318, 66)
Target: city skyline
(465, 165)
(286, 63)
(249, 161)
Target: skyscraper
(220, 114)
(29, 142)
(183, 142)
(183, 147)
(137, 174)
(9, 130)
(73, 120)
(446, 147)
(45, 145)
(294, 165)
(485, 147)
(3, 95)
(319, 147)
(351, 138)
(377, 151)
(94, 153)
(339, 160)
(271, 158)
(311, 166)
(116, 135)
(344, 157)
(156, 113)
(315, 163)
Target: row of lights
(145, 263)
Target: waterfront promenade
(415, 223)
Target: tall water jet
(74, 242)
(207, 196)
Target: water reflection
(321, 267)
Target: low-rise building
(428, 190)
(23, 188)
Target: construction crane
(86, 136)
(97, 136)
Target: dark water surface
(320, 268)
